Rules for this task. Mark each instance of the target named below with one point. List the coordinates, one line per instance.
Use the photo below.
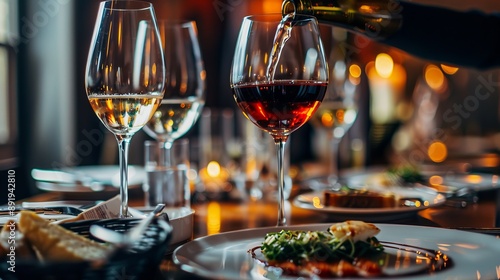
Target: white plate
(442, 181)
(474, 181)
(226, 256)
(107, 175)
(314, 201)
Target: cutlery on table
(123, 241)
(64, 177)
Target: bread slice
(56, 243)
(12, 241)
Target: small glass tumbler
(167, 174)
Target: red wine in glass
(279, 107)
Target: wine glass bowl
(302, 88)
(184, 96)
(279, 77)
(339, 109)
(125, 74)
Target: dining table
(218, 216)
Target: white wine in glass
(339, 109)
(185, 88)
(279, 77)
(125, 74)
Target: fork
(124, 241)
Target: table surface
(214, 217)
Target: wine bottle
(376, 19)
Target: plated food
(344, 249)
(404, 175)
(413, 253)
(371, 204)
(442, 180)
(361, 198)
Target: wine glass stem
(280, 149)
(334, 153)
(123, 144)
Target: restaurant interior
(48, 123)
(411, 111)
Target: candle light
(214, 176)
(387, 82)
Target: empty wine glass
(125, 74)
(279, 77)
(184, 96)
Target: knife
(64, 177)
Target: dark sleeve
(470, 39)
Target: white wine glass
(339, 109)
(125, 74)
(279, 77)
(184, 96)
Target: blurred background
(410, 110)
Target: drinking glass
(125, 74)
(167, 184)
(185, 88)
(339, 109)
(279, 77)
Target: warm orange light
(213, 169)
(327, 120)
(340, 116)
(271, 6)
(436, 180)
(434, 77)
(450, 70)
(366, 9)
(384, 65)
(474, 179)
(355, 74)
(387, 82)
(355, 70)
(213, 218)
(214, 176)
(437, 151)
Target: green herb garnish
(298, 246)
(407, 174)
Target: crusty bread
(54, 242)
(11, 239)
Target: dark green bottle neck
(374, 18)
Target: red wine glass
(279, 77)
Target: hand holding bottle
(446, 35)
(374, 18)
